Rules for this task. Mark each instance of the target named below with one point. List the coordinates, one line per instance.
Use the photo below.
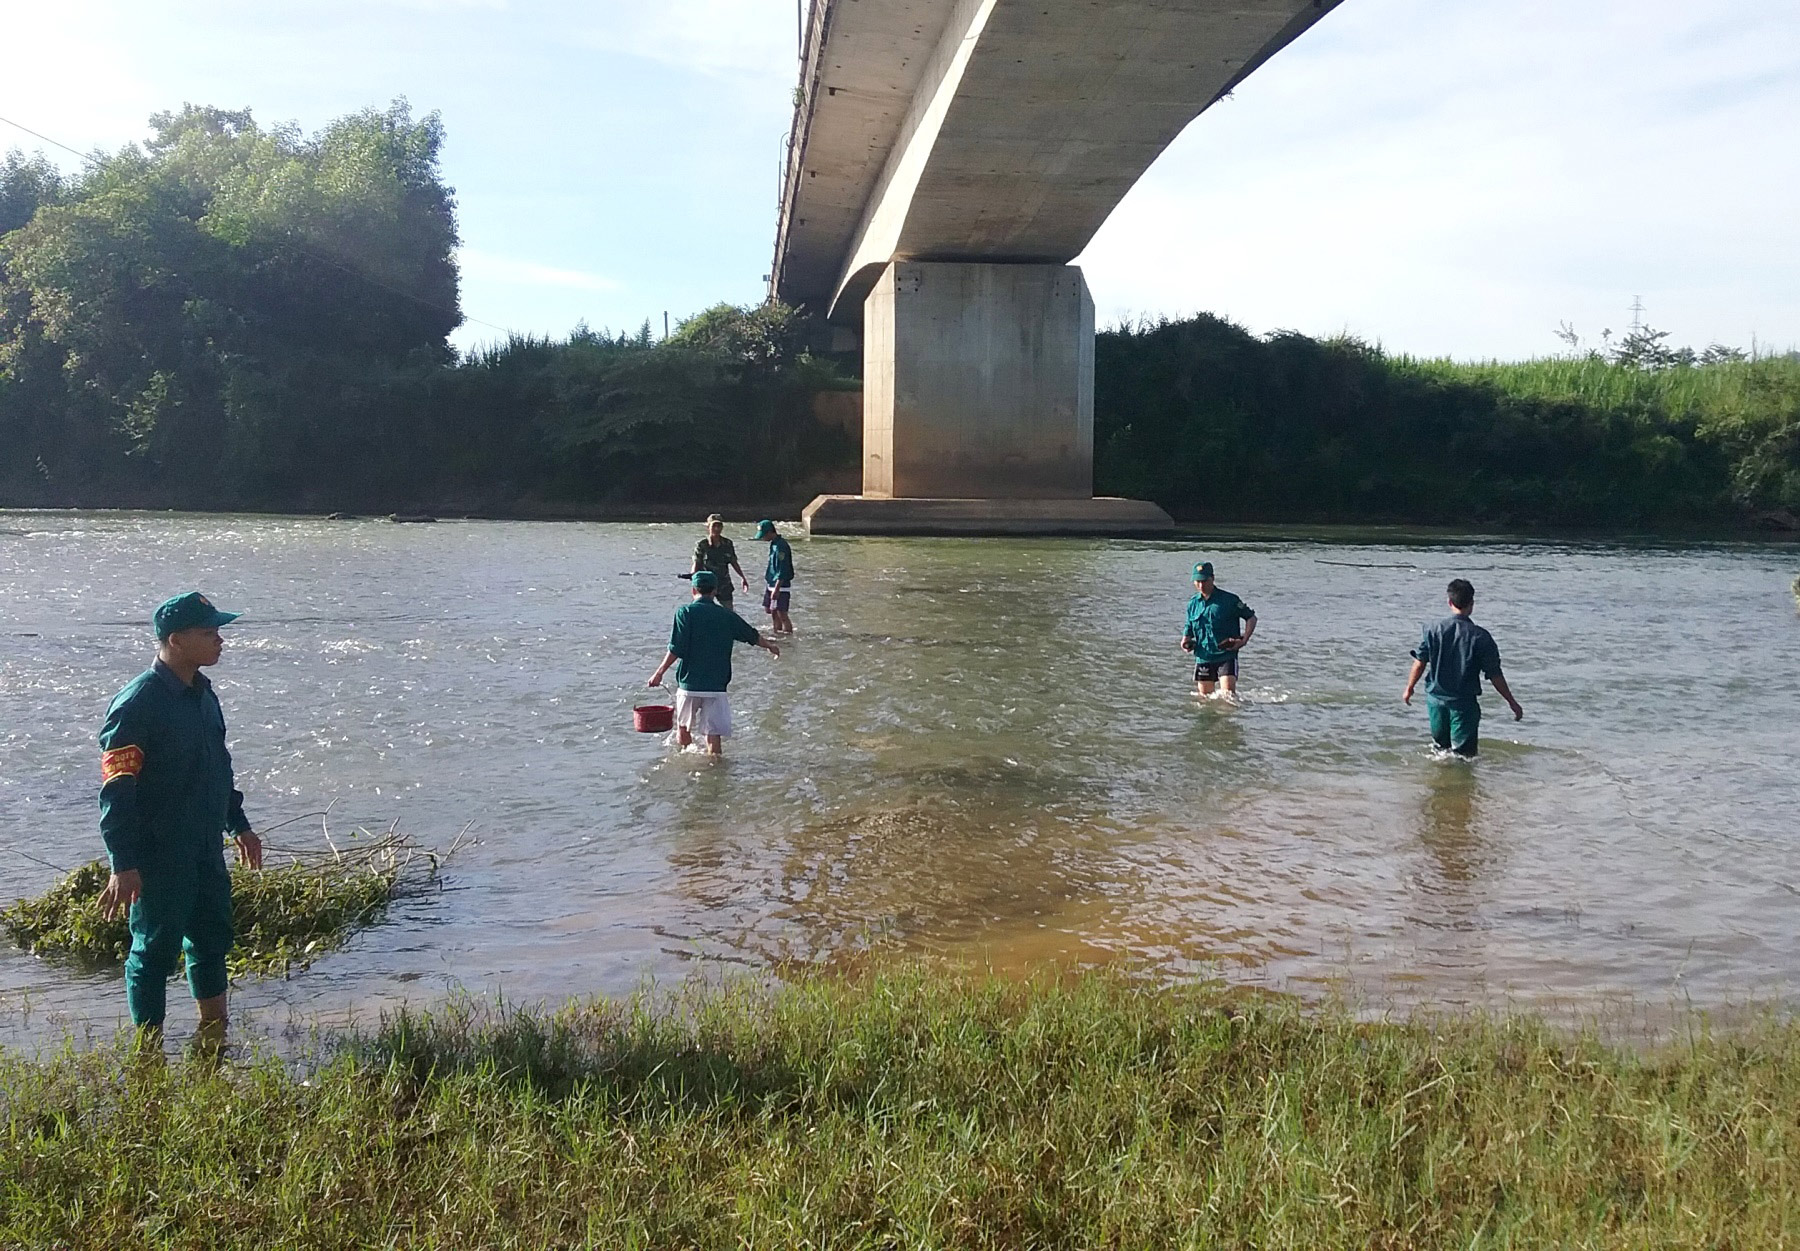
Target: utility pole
(665, 323)
(1637, 313)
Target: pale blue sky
(1447, 178)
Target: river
(983, 749)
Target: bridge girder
(993, 130)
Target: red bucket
(653, 718)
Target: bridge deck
(993, 129)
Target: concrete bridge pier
(978, 408)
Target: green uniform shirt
(701, 641)
(780, 570)
(1211, 620)
(1457, 655)
(718, 557)
(166, 790)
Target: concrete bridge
(948, 159)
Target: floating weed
(285, 915)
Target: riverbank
(914, 1107)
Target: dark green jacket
(780, 569)
(701, 641)
(1457, 654)
(1211, 621)
(166, 790)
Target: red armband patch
(121, 762)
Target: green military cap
(1203, 571)
(705, 580)
(765, 529)
(192, 611)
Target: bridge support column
(978, 408)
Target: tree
(215, 303)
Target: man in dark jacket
(167, 798)
(778, 578)
(1453, 656)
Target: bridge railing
(818, 24)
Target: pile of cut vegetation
(301, 905)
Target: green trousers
(185, 909)
(1455, 727)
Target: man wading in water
(700, 645)
(1453, 656)
(166, 801)
(778, 579)
(1213, 616)
(716, 553)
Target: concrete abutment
(978, 407)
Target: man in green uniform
(778, 578)
(700, 645)
(716, 553)
(1453, 656)
(166, 800)
(1213, 635)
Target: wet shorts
(777, 600)
(1212, 671)
(703, 713)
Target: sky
(1446, 179)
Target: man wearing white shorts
(703, 713)
(700, 643)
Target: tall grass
(917, 1109)
(1707, 392)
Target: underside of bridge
(948, 159)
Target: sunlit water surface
(984, 749)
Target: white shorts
(703, 713)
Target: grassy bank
(913, 1109)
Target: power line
(99, 163)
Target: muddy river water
(984, 749)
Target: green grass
(1715, 393)
(284, 917)
(915, 1108)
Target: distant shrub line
(234, 317)
(1218, 424)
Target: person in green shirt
(716, 553)
(778, 578)
(1213, 633)
(167, 799)
(1453, 656)
(700, 643)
